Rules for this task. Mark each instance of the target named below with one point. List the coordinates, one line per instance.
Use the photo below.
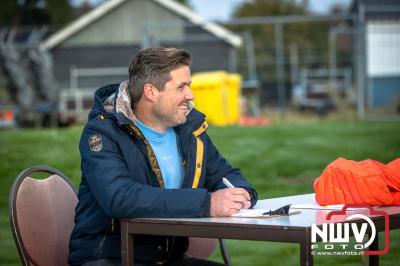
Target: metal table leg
(374, 259)
(306, 258)
(126, 246)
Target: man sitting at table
(146, 153)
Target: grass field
(279, 160)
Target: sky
(223, 9)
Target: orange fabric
(346, 181)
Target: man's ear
(150, 92)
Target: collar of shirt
(150, 133)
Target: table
(290, 229)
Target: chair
(42, 216)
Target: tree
(8, 11)
(311, 39)
(59, 11)
(185, 2)
(34, 12)
(269, 8)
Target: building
(96, 49)
(377, 30)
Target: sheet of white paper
(250, 213)
(316, 206)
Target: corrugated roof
(106, 7)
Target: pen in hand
(227, 183)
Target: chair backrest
(42, 216)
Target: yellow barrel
(234, 93)
(217, 96)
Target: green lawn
(279, 160)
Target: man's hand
(228, 201)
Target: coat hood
(114, 101)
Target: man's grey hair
(152, 66)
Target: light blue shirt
(165, 148)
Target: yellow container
(217, 96)
(234, 93)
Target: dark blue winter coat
(121, 179)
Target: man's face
(172, 103)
